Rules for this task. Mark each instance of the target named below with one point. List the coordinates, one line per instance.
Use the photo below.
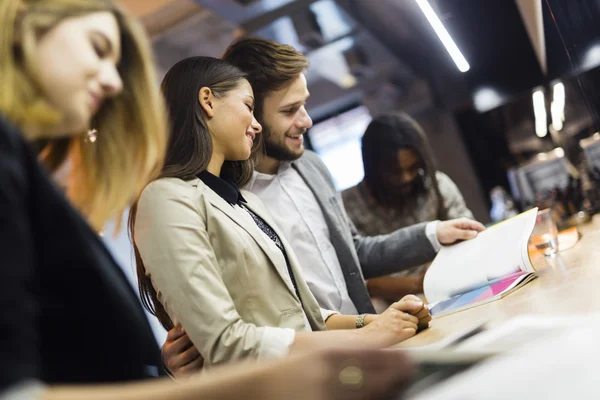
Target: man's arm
(386, 254)
(407, 247)
(391, 288)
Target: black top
(229, 192)
(68, 313)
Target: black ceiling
(492, 37)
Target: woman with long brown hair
(72, 327)
(209, 256)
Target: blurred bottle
(503, 206)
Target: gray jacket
(362, 257)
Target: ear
(207, 101)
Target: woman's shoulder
(174, 186)
(11, 142)
(168, 190)
(18, 164)
(445, 183)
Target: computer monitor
(543, 174)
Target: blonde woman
(71, 325)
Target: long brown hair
(132, 129)
(190, 146)
(385, 135)
(270, 66)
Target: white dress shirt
(297, 213)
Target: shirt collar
(259, 176)
(226, 189)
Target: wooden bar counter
(567, 284)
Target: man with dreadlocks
(401, 187)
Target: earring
(92, 135)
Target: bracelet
(360, 321)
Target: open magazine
(481, 270)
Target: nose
(304, 121)
(110, 80)
(256, 126)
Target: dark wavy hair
(385, 135)
(189, 148)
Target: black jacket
(67, 312)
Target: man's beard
(276, 148)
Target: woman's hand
(422, 315)
(399, 322)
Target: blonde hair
(131, 127)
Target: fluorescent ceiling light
(557, 108)
(444, 36)
(539, 110)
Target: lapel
(309, 303)
(258, 209)
(340, 233)
(248, 224)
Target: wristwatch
(360, 321)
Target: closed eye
(100, 51)
(291, 111)
(103, 47)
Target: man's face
(285, 120)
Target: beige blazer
(216, 272)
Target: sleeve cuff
(275, 342)
(26, 390)
(431, 233)
(327, 313)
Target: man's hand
(179, 354)
(452, 231)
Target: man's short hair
(270, 65)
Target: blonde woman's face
(78, 60)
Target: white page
(556, 367)
(496, 252)
(525, 329)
